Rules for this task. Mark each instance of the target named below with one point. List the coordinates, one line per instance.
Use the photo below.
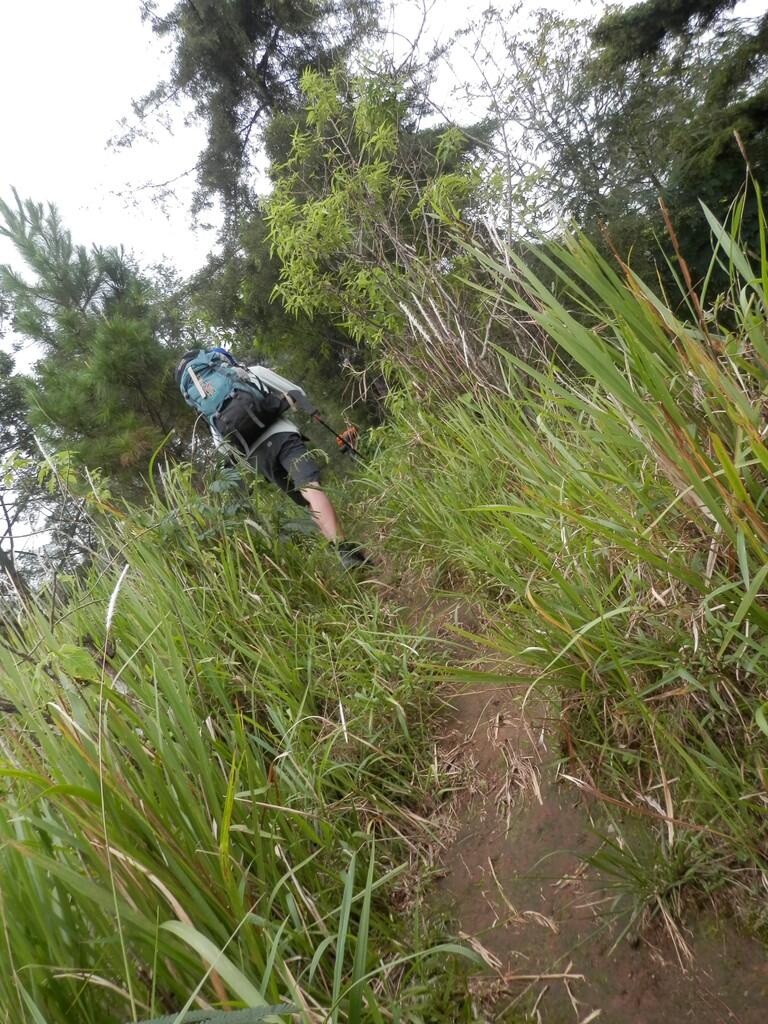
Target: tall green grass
(211, 789)
(612, 509)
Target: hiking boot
(352, 556)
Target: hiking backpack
(237, 405)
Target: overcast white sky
(68, 72)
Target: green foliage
(601, 125)
(364, 200)
(15, 435)
(614, 516)
(17, 478)
(640, 29)
(216, 753)
(240, 61)
(103, 386)
(707, 72)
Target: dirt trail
(515, 882)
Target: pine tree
(103, 387)
(17, 478)
(640, 30)
(240, 61)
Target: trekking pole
(345, 440)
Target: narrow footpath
(516, 882)
(513, 880)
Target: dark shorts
(284, 460)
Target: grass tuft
(611, 507)
(189, 824)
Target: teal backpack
(238, 406)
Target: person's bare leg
(323, 514)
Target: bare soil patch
(515, 883)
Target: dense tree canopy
(708, 69)
(365, 211)
(240, 61)
(639, 31)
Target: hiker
(245, 408)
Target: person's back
(276, 448)
(280, 386)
